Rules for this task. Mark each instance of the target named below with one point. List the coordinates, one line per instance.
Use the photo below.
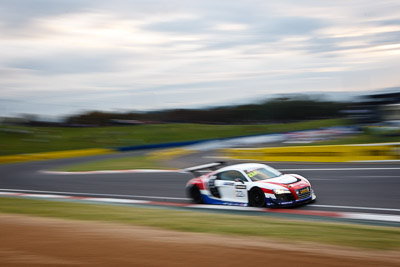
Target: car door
(232, 186)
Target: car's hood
(284, 179)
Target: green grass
(135, 162)
(383, 238)
(148, 162)
(17, 140)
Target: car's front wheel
(256, 197)
(195, 195)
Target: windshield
(262, 174)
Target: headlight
(281, 191)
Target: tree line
(275, 110)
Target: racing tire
(256, 198)
(195, 195)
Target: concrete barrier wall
(333, 153)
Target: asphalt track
(355, 187)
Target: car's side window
(231, 176)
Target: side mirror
(239, 180)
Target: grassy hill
(16, 140)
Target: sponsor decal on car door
(232, 191)
(240, 192)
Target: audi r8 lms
(248, 184)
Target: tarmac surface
(355, 187)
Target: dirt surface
(32, 241)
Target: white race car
(248, 184)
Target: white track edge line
(175, 198)
(353, 207)
(89, 194)
(107, 171)
(340, 169)
(344, 215)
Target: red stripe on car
(269, 191)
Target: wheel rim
(258, 198)
(196, 195)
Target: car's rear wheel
(195, 195)
(256, 197)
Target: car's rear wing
(209, 166)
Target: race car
(247, 184)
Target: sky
(60, 57)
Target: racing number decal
(252, 173)
(239, 193)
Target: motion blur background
(90, 88)
(144, 74)
(62, 59)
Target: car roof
(243, 167)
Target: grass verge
(382, 238)
(17, 140)
(127, 163)
(154, 162)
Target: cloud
(69, 63)
(284, 26)
(20, 13)
(126, 54)
(183, 26)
